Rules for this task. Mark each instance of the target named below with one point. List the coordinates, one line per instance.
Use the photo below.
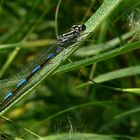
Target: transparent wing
(25, 70)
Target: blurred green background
(89, 108)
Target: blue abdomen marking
(8, 95)
(50, 55)
(36, 68)
(21, 82)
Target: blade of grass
(28, 44)
(98, 48)
(79, 136)
(98, 58)
(125, 72)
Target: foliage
(82, 98)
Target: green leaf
(102, 47)
(100, 57)
(130, 71)
(125, 72)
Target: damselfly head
(78, 28)
(70, 37)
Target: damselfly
(63, 41)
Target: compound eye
(83, 27)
